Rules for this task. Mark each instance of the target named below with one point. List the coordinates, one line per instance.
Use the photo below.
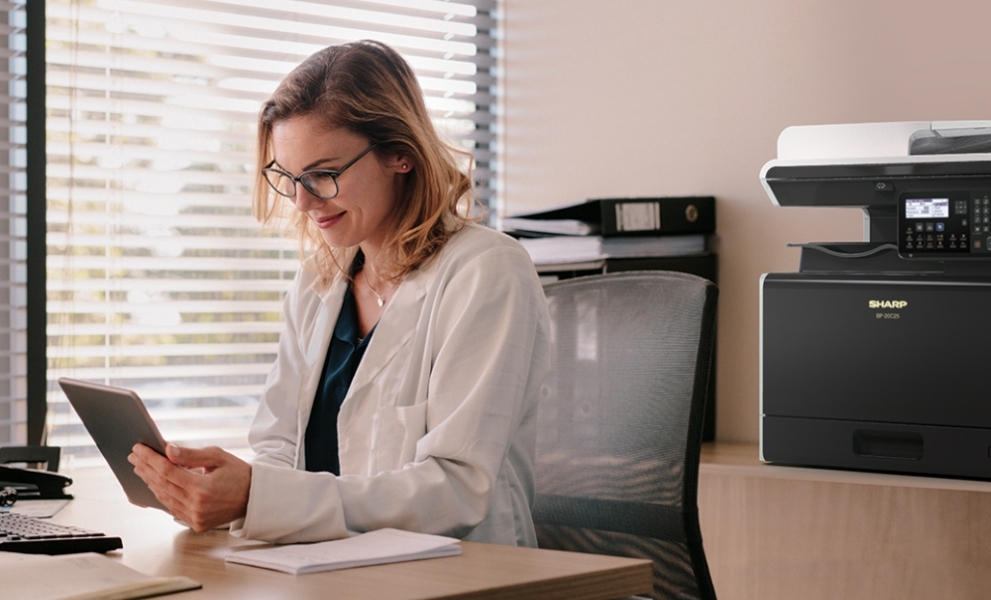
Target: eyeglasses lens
(319, 183)
(281, 184)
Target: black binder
(621, 216)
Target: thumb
(191, 457)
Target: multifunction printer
(876, 355)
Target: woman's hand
(203, 488)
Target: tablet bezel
(117, 419)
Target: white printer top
(812, 157)
(871, 142)
(906, 177)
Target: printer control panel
(954, 224)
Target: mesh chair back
(620, 422)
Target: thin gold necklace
(379, 298)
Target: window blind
(13, 226)
(159, 279)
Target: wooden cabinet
(774, 532)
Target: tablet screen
(117, 419)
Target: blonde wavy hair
(368, 88)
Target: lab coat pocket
(395, 432)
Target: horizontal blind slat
(184, 329)
(177, 349)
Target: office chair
(620, 422)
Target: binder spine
(657, 216)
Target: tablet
(117, 419)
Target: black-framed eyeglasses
(321, 183)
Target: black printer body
(874, 355)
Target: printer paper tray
(872, 446)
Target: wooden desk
(775, 532)
(154, 544)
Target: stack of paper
(562, 250)
(372, 548)
(84, 576)
(522, 225)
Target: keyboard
(19, 533)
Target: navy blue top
(343, 357)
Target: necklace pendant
(381, 301)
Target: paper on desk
(85, 576)
(372, 548)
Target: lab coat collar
(392, 332)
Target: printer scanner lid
(864, 165)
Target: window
(13, 226)
(159, 279)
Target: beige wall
(658, 97)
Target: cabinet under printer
(875, 355)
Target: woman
(405, 389)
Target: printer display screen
(944, 224)
(927, 208)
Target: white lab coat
(437, 432)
